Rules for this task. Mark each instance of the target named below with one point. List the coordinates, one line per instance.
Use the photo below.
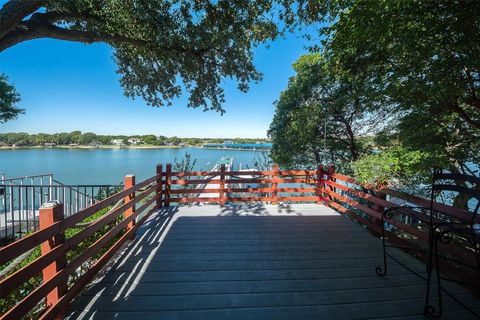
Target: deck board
(261, 262)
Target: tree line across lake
(89, 138)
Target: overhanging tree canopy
(161, 47)
(425, 53)
(421, 60)
(423, 56)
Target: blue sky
(68, 86)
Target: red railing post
(275, 175)
(376, 221)
(51, 212)
(222, 185)
(331, 170)
(320, 184)
(129, 182)
(159, 182)
(168, 184)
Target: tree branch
(33, 29)
(40, 25)
(465, 116)
(474, 102)
(14, 11)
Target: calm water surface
(108, 166)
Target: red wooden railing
(347, 196)
(340, 192)
(234, 187)
(55, 288)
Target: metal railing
(21, 198)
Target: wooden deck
(260, 262)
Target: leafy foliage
(414, 63)
(163, 48)
(23, 290)
(322, 116)
(422, 56)
(9, 98)
(262, 161)
(294, 130)
(185, 164)
(391, 167)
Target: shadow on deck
(256, 262)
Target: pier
(220, 167)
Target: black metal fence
(20, 203)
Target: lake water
(109, 166)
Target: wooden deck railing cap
(51, 204)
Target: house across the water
(252, 146)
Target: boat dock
(227, 163)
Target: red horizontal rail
(308, 181)
(216, 173)
(9, 283)
(243, 190)
(449, 210)
(191, 174)
(217, 190)
(339, 208)
(242, 199)
(22, 245)
(193, 191)
(242, 173)
(62, 305)
(14, 280)
(253, 180)
(298, 172)
(195, 181)
(248, 190)
(316, 186)
(375, 214)
(456, 250)
(342, 177)
(354, 204)
(242, 181)
(361, 194)
(298, 190)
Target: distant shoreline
(106, 147)
(90, 147)
(234, 149)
